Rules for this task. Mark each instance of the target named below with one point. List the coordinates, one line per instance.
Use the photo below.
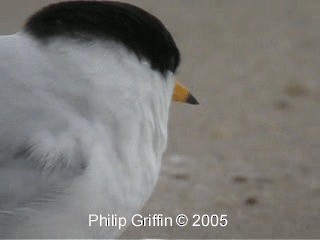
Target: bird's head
(140, 32)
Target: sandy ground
(251, 150)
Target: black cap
(138, 30)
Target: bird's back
(66, 150)
(37, 134)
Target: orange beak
(182, 94)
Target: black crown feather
(135, 28)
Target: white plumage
(83, 126)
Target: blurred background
(251, 150)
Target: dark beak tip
(192, 100)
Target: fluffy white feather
(82, 130)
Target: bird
(85, 93)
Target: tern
(85, 92)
